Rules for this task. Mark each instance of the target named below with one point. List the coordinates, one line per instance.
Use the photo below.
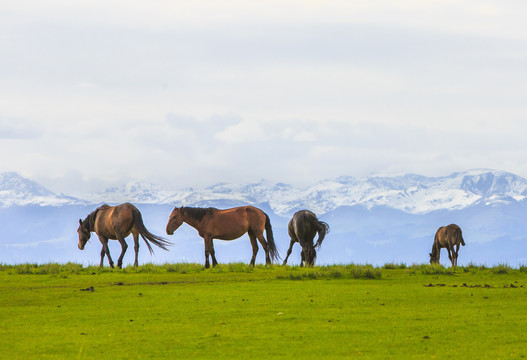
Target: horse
(229, 224)
(302, 229)
(116, 223)
(448, 237)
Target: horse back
(301, 226)
(232, 223)
(115, 221)
(449, 235)
(454, 234)
(247, 214)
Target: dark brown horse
(227, 224)
(449, 237)
(302, 229)
(116, 223)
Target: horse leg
(105, 250)
(302, 258)
(289, 251)
(207, 264)
(254, 245)
(136, 248)
(124, 246)
(450, 255)
(213, 253)
(262, 241)
(209, 250)
(456, 254)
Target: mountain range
(413, 194)
(374, 219)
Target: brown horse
(227, 224)
(302, 229)
(116, 223)
(448, 237)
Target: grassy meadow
(67, 311)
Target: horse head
(310, 254)
(84, 234)
(174, 221)
(433, 258)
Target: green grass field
(234, 311)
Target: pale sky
(192, 93)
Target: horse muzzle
(171, 228)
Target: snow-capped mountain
(418, 194)
(17, 190)
(410, 193)
(134, 192)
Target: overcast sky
(191, 93)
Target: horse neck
(90, 220)
(306, 244)
(195, 223)
(435, 249)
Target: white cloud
(85, 85)
(56, 241)
(300, 136)
(13, 128)
(100, 89)
(243, 132)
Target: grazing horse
(227, 224)
(302, 229)
(448, 237)
(116, 223)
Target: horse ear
(80, 221)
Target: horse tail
(147, 236)
(461, 237)
(323, 229)
(271, 246)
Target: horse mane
(197, 213)
(436, 247)
(90, 219)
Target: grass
(67, 311)
(502, 269)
